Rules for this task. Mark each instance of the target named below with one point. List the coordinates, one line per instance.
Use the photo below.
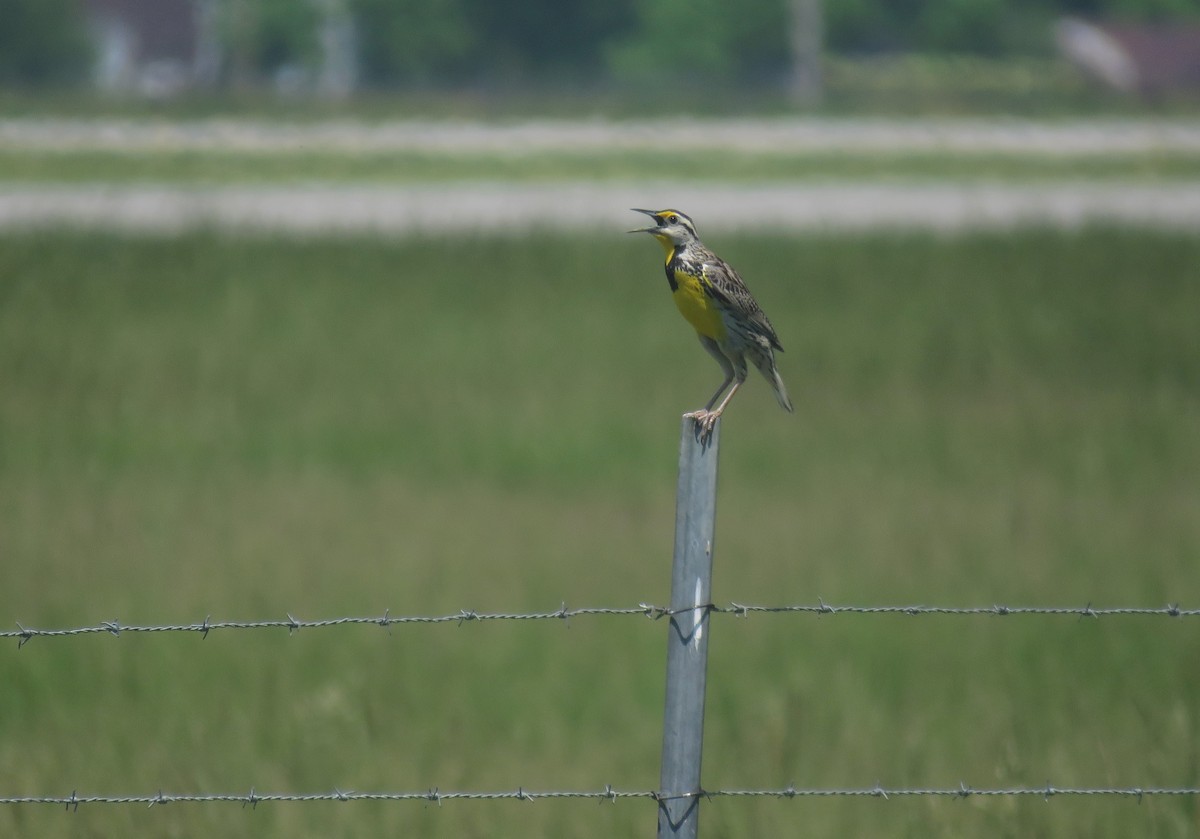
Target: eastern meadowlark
(714, 300)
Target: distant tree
(415, 40)
(263, 35)
(547, 38)
(702, 40)
(961, 26)
(285, 32)
(43, 42)
(978, 26)
(453, 40)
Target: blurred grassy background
(897, 84)
(391, 167)
(243, 428)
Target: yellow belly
(697, 307)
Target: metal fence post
(687, 638)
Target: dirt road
(793, 134)
(498, 207)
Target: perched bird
(714, 300)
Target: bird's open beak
(650, 213)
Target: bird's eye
(673, 219)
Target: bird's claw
(704, 422)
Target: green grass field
(38, 166)
(244, 428)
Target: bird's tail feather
(766, 366)
(781, 392)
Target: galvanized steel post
(687, 638)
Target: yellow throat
(697, 307)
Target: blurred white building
(159, 48)
(154, 47)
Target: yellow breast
(697, 307)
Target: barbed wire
(387, 620)
(434, 796)
(1088, 611)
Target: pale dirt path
(464, 208)
(791, 134)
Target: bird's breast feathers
(696, 304)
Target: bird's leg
(707, 418)
(700, 414)
(714, 349)
(704, 425)
(725, 401)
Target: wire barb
(653, 612)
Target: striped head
(671, 228)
